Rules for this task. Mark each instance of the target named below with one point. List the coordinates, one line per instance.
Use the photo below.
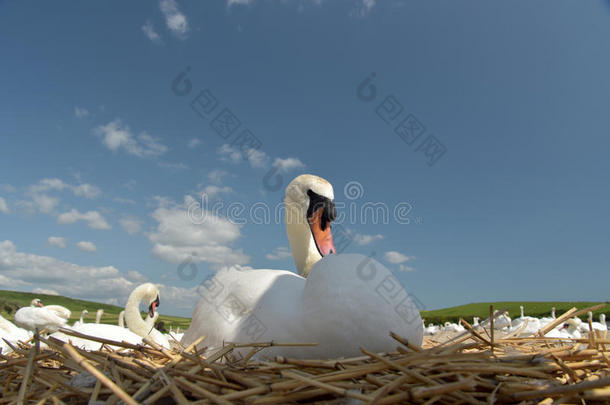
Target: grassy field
(532, 308)
(10, 301)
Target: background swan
(98, 315)
(11, 333)
(83, 314)
(344, 303)
(147, 292)
(36, 318)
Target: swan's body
(346, 302)
(62, 312)
(570, 330)
(452, 327)
(11, 333)
(527, 324)
(431, 330)
(502, 321)
(36, 318)
(601, 325)
(138, 328)
(100, 330)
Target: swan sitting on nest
(342, 302)
(138, 328)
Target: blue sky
(101, 158)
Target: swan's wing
(60, 311)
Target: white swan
(601, 325)
(532, 325)
(83, 314)
(36, 318)
(149, 293)
(346, 302)
(452, 327)
(137, 327)
(569, 330)
(98, 315)
(546, 320)
(11, 333)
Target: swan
(452, 327)
(475, 321)
(533, 324)
(98, 315)
(83, 314)
(546, 320)
(137, 327)
(601, 325)
(36, 318)
(569, 330)
(150, 294)
(502, 321)
(11, 333)
(342, 302)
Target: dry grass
(473, 368)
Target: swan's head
(36, 302)
(84, 312)
(310, 209)
(149, 293)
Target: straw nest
(475, 367)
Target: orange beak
(322, 237)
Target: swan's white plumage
(100, 330)
(35, 318)
(344, 304)
(12, 333)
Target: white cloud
(124, 200)
(81, 190)
(285, 165)
(49, 275)
(150, 33)
(279, 253)
(80, 112)
(86, 246)
(174, 18)
(395, 257)
(94, 219)
(231, 154)
(45, 291)
(405, 268)
(3, 206)
(205, 236)
(45, 203)
(115, 135)
(7, 188)
(86, 190)
(238, 2)
(57, 241)
(216, 176)
(362, 239)
(212, 190)
(193, 143)
(173, 166)
(131, 225)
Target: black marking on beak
(316, 201)
(153, 306)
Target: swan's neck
(81, 317)
(302, 245)
(98, 316)
(134, 320)
(553, 313)
(522, 313)
(602, 319)
(122, 319)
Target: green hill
(532, 308)
(11, 301)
